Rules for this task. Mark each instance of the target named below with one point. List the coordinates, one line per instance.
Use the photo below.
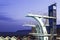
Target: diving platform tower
(41, 31)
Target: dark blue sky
(13, 12)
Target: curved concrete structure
(41, 31)
(40, 28)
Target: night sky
(13, 12)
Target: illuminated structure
(41, 31)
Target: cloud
(8, 24)
(4, 17)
